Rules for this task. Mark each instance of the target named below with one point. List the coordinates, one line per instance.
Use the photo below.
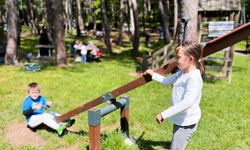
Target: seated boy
(33, 110)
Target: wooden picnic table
(45, 47)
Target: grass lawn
(225, 106)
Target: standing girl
(184, 111)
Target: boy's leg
(69, 121)
(54, 114)
(44, 118)
(35, 121)
(181, 136)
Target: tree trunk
(113, 14)
(175, 16)
(58, 24)
(122, 13)
(35, 20)
(27, 15)
(106, 26)
(30, 16)
(79, 16)
(132, 23)
(12, 43)
(1, 16)
(49, 12)
(68, 14)
(128, 16)
(148, 6)
(189, 12)
(164, 22)
(136, 34)
(92, 8)
(144, 11)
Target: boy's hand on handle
(37, 107)
(149, 71)
(159, 119)
(49, 103)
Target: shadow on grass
(149, 144)
(81, 132)
(144, 144)
(246, 52)
(238, 69)
(124, 58)
(211, 79)
(212, 76)
(66, 131)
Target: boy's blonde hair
(33, 85)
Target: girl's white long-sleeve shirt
(186, 96)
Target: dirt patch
(18, 135)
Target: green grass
(225, 106)
(241, 45)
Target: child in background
(33, 110)
(83, 51)
(184, 111)
(77, 51)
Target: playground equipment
(32, 67)
(216, 29)
(215, 18)
(213, 46)
(94, 119)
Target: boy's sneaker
(60, 130)
(70, 122)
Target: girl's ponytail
(194, 49)
(200, 63)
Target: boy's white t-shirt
(186, 96)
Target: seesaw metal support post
(94, 121)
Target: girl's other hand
(149, 71)
(159, 119)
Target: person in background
(84, 51)
(92, 51)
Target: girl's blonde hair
(193, 48)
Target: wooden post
(94, 137)
(124, 118)
(94, 117)
(235, 18)
(228, 64)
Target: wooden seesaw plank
(236, 35)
